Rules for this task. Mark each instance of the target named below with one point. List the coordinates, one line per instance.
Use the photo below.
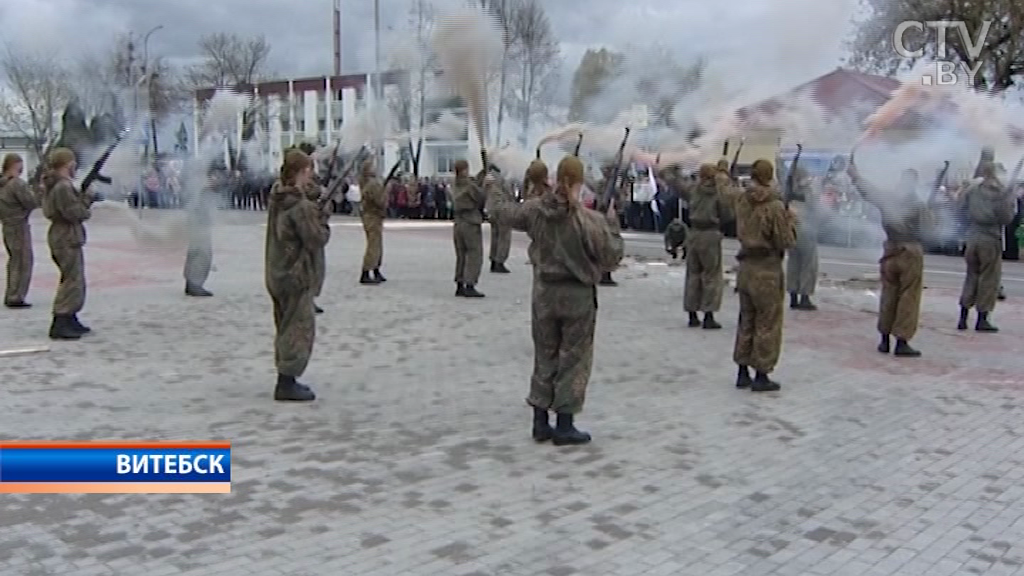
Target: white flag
(654, 190)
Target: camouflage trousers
(984, 259)
(18, 242)
(501, 242)
(802, 265)
(761, 286)
(70, 297)
(295, 330)
(563, 321)
(198, 260)
(902, 272)
(704, 279)
(469, 252)
(320, 270)
(373, 227)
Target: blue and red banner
(115, 467)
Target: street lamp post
(378, 92)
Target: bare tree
(421, 63)
(503, 11)
(1001, 61)
(537, 58)
(37, 94)
(104, 77)
(591, 77)
(229, 61)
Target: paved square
(416, 459)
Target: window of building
(301, 125)
(446, 156)
(321, 125)
(286, 126)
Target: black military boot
(17, 305)
(709, 322)
(317, 309)
(1002, 294)
(378, 276)
(904, 350)
(794, 300)
(694, 320)
(494, 266)
(743, 379)
(962, 324)
(606, 280)
(460, 289)
(199, 291)
(63, 329)
(288, 390)
(983, 325)
(367, 279)
(884, 344)
(470, 291)
(566, 433)
(764, 384)
(542, 430)
(806, 304)
(499, 268)
(78, 326)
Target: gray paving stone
(416, 459)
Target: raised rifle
(791, 176)
(736, 160)
(939, 181)
(579, 142)
(609, 189)
(95, 173)
(329, 187)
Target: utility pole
(337, 37)
(378, 92)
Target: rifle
(938, 182)
(392, 172)
(94, 174)
(579, 143)
(328, 192)
(736, 159)
(327, 178)
(791, 176)
(609, 190)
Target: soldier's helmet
(570, 171)
(537, 171)
(723, 165)
(461, 166)
(60, 158)
(762, 171)
(707, 172)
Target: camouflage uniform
(67, 209)
(199, 257)
(16, 203)
(802, 261)
(501, 235)
(313, 192)
(905, 222)
(989, 209)
(709, 211)
(468, 203)
(295, 235)
(570, 247)
(765, 229)
(374, 207)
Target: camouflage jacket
(468, 201)
(764, 226)
(313, 193)
(374, 198)
(568, 244)
(497, 195)
(295, 234)
(709, 207)
(904, 222)
(67, 210)
(16, 200)
(989, 209)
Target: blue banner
(114, 465)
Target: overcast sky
(771, 43)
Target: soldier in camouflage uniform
(709, 212)
(374, 207)
(570, 248)
(468, 203)
(620, 199)
(498, 194)
(906, 221)
(16, 203)
(989, 209)
(802, 261)
(536, 181)
(295, 236)
(67, 209)
(765, 229)
(199, 218)
(313, 193)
